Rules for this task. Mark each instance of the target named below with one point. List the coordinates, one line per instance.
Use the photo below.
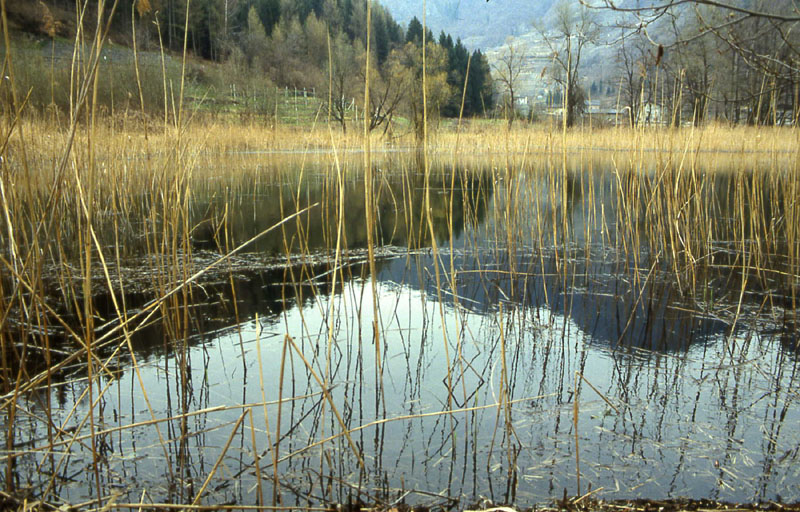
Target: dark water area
(455, 369)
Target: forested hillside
(312, 45)
(669, 61)
(735, 60)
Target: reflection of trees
(720, 226)
(223, 298)
(597, 297)
(605, 303)
(399, 198)
(611, 299)
(614, 298)
(224, 219)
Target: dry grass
(487, 137)
(139, 181)
(222, 134)
(665, 177)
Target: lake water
(455, 369)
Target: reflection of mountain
(790, 340)
(611, 295)
(598, 296)
(508, 246)
(566, 303)
(266, 291)
(267, 282)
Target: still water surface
(701, 388)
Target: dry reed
(683, 206)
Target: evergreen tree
(357, 25)
(457, 57)
(205, 26)
(306, 7)
(255, 39)
(429, 36)
(269, 12)
(414, 32)
(479, 97)
(346, 9)
(445, 41)
(170, 18)
(380, 36)
(394, 31)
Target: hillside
(479, 24)
(488, 24)
(495, 25)
(247, 57)
(684, 57)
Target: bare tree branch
(660, 9)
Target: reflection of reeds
(683, 209)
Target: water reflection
(399, 198)
(467, 387)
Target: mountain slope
(479, 24)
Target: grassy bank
(144, 85)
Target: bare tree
(572, 31)
(774, 10)
(384, 101)
(343, 81)
(508, 69)
(632, 64)
(404, 69)
(752, 46)
(388, 92)
(698, 61)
